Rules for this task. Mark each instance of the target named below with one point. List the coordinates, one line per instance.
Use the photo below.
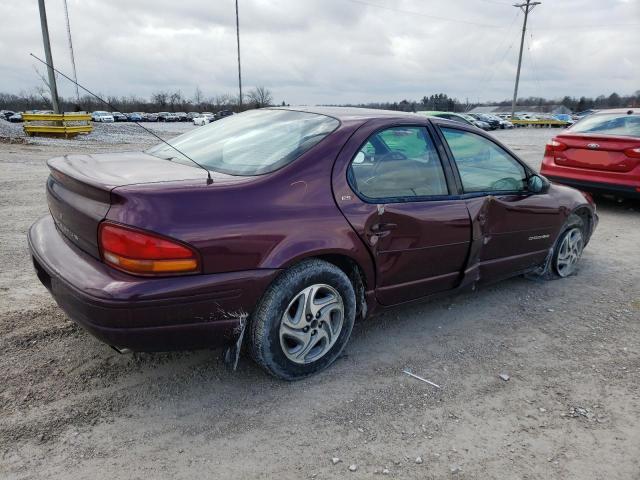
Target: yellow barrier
(542, 123)
(63, 124)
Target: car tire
(303, 321)
(567, 250)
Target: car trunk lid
(79, 188)
(597, 152)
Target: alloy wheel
(311, 324)
(569, 252)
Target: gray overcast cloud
(330, 51)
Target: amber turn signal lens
(144, 253)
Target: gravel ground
(71, 408)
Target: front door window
(483, 165)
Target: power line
(487, 77)
(426, 15)
(468, 22)
(533, 64)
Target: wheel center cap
(314, 323)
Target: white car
(99, 116)
(203, 119)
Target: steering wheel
(506, 184)
(388, 157)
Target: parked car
(303, 221)
(151, 117)
(583, 113)
(459, 117)
(448, 115)
(99, 116)
(166, 117)
(502, 123)
(203, 119)
(494, 124)
(136, 117)
(563, 117)
(222, 113)
(5, 114)
(119, 117)
(181, 116)
(600, 154)
(192, 115)
(15, 118)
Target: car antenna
(114, 109)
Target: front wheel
(567, 249)
(303, 321)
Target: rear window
(609, 124)
(251, 143)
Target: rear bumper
(626, 184)
(597, 187)
(143, 314)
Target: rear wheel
(303, 321)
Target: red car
(600, 154)
(282, 226)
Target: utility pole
(47, 52)
(526, 8)
(238, 39)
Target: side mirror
(359, 158)
(538, 184)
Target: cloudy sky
(330, 51)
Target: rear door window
(398, 163)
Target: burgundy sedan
(295, 223)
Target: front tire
(303, 321)
(567, 249)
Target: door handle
(381, 228)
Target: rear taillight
(554, 146)
(632, 152)
(143, 253)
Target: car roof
(350, 113)
(618, 111)
(435, 113)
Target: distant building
(531, 109)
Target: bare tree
(197, 96)
(160, 98)
(43, 93)
(175, 99)
(260, 97)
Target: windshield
(609, 124)
(251, 143)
